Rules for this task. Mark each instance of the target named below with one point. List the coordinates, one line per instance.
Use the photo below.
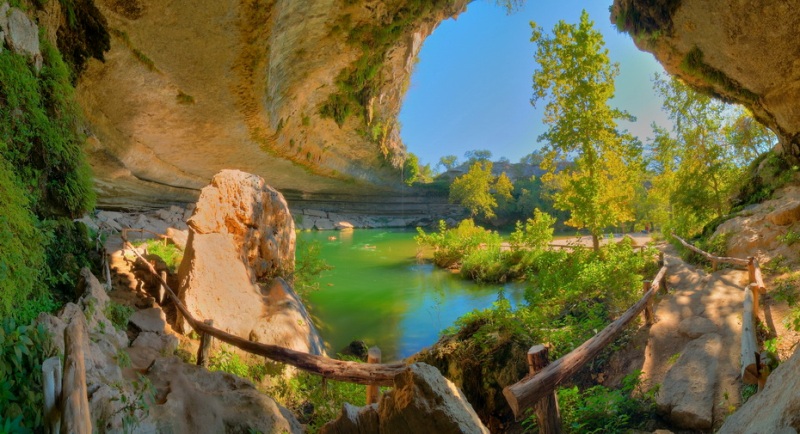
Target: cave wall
(192, 87)
(745, 52)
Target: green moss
(84, 35)
(359, 82)
(733, 92)
(137, 53)
(44, 181)
(644, 18)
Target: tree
(477, 155)
(576, 78)
(448, 162)
(479, 191)
(411, 169)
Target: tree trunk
(596, 242)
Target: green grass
(169, 253)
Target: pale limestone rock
(20, 34)
(686, 397)
(161, 343)
(149, 320)
(255, 215)
(776, 409)
(696, 326)
(422, 401)
(343, 225)
(178, 237)
(321, 224)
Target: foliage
(135, 406)
(315, 400)
(43, 175)
(448, 162)
(171, 254)
(226, 360)
(118, 314)
(766, 173)
(479, 191)
(790, 237)
(411, 172)
(577, 77)
(450, 246)
(309, 266)
(599, 409)
(476, 155)
(22, 351)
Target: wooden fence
(754, 371)
(537, 389)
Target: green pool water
(379, 293)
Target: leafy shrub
(226, 360)
(118, 314)
(309, 266)
(599, 409)
(450, 246)
(314, 400)
(169, 253)
(22, 351)
(789, 237)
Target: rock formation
(303, 94)
(776, 409)
(743, 52)
(179, 398)
(241, 241)
(422, 401)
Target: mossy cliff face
(744, 52)
(305, 94)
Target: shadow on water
(380, 294)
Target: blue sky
(472, 86)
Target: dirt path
(696, 335)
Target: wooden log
(75, 401)
(161, 288)
(721, 259)
(749, 353)
(352, 372)
(373, 391)
(648, 307)
(528, 391)
(546, 409)
(205, 345)
(51, 379)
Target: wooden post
(713, 265)
(751, 269)
(161, 288)
(51, 377)
(648, 308)
(660, 259)
(749, 353)
(205, 345)
(547, 408)
(76, 417)
(373, 390)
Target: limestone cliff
(305, 94)
(741, 51)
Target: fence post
(713, 265)
(51, 377)
(373, 391)
(660, 259)
(205, 345)
(648, 308)
(546, 409)
(161, 288)
(751, 269)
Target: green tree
(448, 162)
(576, 78)
(411, 169)
(478, 190)
(477, 155)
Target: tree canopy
(576, 78)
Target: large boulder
(776, 409)
(422, 401)
(241, 238)
(256, 217)
(21, 34)
(686, 397)
(178, 397)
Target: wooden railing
(753, 370)
(538, 388)
(367, 374)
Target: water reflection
(378, 293)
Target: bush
(450, 246)
(22, 351)
(169, 253)
(599, 409)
